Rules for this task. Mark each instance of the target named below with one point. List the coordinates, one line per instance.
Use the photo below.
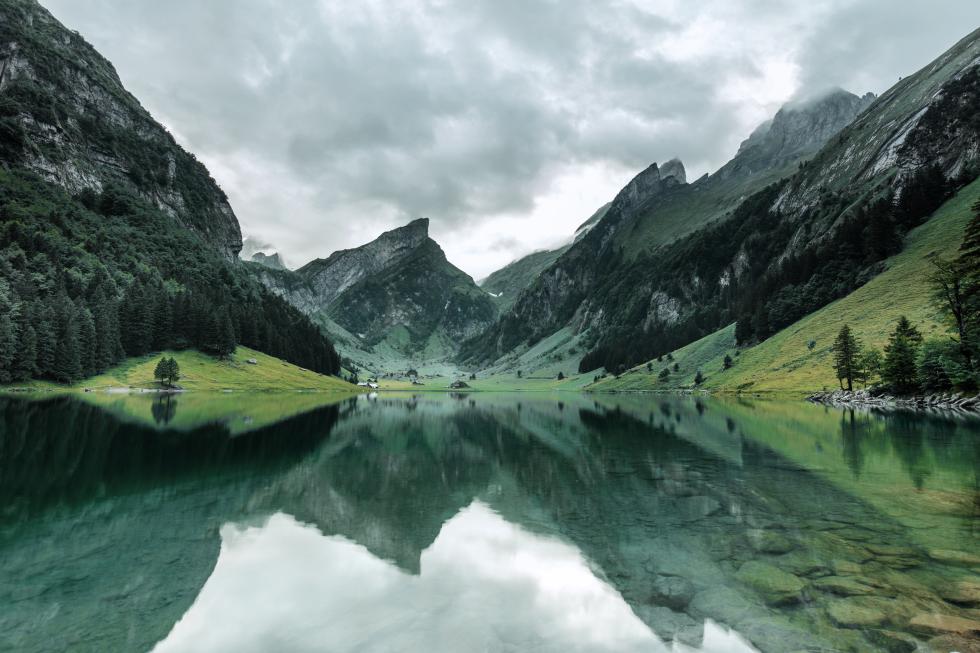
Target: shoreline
(865, 399)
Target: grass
(784, 364)
(201, 372)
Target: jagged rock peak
(416, 229)
(640, 186)
(800, 128)
(268, 260)
(674, 168)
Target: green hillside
(202, 372)
(784, 363)
(507, 283)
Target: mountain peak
(674, 168)
(418, 228)
(800, 128)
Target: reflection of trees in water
(919, 442)
(853, 430)
(164, 408)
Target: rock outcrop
(268, 260)
(66, 116)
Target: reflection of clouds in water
(485, 585)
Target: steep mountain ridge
(781, 230)
(398, 291)
(65, 115)
(655, 209)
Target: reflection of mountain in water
(668, 500)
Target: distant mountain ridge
(398, 291)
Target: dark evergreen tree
(67, 359)
(847, 351)
(86, 341)
(899, 368)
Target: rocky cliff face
(399, 290)
(330, 277)
(797, 130)
(65, 115)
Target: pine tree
(899, 369)
(86, 341)
(173, 371)
(847, 349)
(727, 363)
(226, 336)
(10, 310)
(869, 366)
(167, 371)
(47, 338)
(160, 372)
(68, 359)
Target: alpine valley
(208, 443)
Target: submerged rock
(852, 613)
(804, 564)
(940, 624)
(965, 592)
(725, 604)
(766, 541)
(844, 586)
(675, 592)
(893, 642)
(670, 625)
(772, 583)
(953, 557)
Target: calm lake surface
(484, 522)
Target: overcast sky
(507, 122)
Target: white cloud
(484, 585)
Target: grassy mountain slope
(202, 372)
(507, 283)
(784, 363)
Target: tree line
(90, 280)
(910, 363)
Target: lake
(484, 522)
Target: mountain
(397, 292)
(65, 116)
(506, 284)
(803, 214)
(114, 241)
(268, 260)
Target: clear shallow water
(484, 522)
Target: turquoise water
(485, 522)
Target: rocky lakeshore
(872, 398)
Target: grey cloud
(332, 120)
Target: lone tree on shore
(698, 378)
(167, 371)
(847, 351)
(727, 363)
(899, 369)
